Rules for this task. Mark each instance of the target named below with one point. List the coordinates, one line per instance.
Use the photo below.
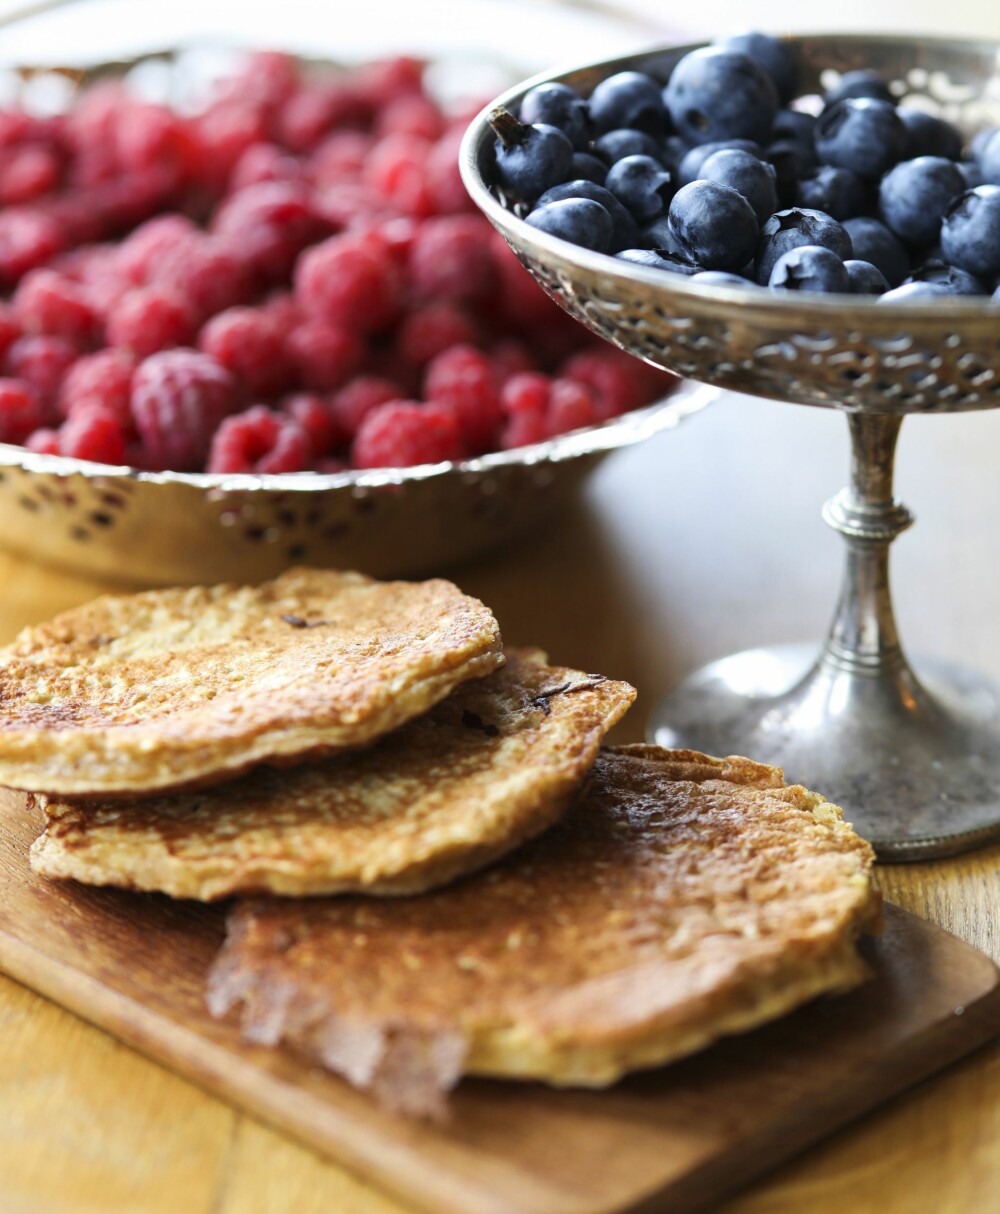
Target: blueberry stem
(508, 129)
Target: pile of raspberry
(291, 279)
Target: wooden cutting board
(675, 1139)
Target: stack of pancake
(441, 870)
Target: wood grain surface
(691, 546)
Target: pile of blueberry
(726, 176)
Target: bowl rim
(810, 304)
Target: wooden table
(698, 543)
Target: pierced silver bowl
(914, 758)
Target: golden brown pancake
(490, 766)
(681, 898)
(174, 688)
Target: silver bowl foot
(914, 762)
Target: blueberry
(585, 167)
(914, 292)
(972, 173)
(672, 152)
(578, 220)
(529, 159)
(791, 159)
(714, 225)
(624, 234)
(773, 55)
(970, 233)
(838, 192)
(689, 168)
(810, 268)
(989, 160)
(715, 94)
(751, 177)
(626, 142)
(659, 235)
(979, 141)
(720, 278)
(861, 134)
(560, 106)
(865, 278)
(642, 185)
(928, 135)
(628, 99)
(958, 281)
(793, 124)
(914, 196)
(787, 230)
(995, 297)
(875, 243)
(857, 84)
(642, 257)
(675, 263)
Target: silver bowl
(912, 755)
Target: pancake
(175, 688)
(679, 899)
(492, 765)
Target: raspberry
(249, 343)
(403, 433)
(411, 114)
(268, 79)
(464, 379)
(395, 235)
(572, 406)
(396, 170)
(259, 441)
(270, 224)
(325, 355)
(22, 410)
(352, 404)
(524, 400)
(42, 360)
(43, 442)
(512, 358)
(444, 182)
(348, 204)
(283, 310)
(316, 417)
(383, 81)
(451, 259)
(28, 239)
(208, 274)
(523, 430)
(179, 398)
(102, 380)
(223, 132)
(141, 254)
(153, 137)
(47, 302)
(313, 112)
(436, 328)
(264, 162)
(350, 283)
(27, 173)
(95, 434)
(150, 319)
(10, 330)
(608, 374)
(342, 154)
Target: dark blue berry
(721, 278)
(928, 135)
(751, 177)
(659, 235)
(773, 55)
(874, 242)
(989, 160)
(643, 257)
(793, 124)
(791, 159)
(585, 167)
(914, 196)
(615, 145)
(857, 84)
(970, 233)
(978, 143)
(578, 220)
(838, 192)
(791, 229)
(559, 105)
(676, 263)
(529, 159)
(714, 225)
(642, 185)
(628, 99)
(972, 173)
(958, 281)
(861, 134)
(689, 168)
(865, 278)
(716, 94)
(914, 292)
(624, 234)
(810, 268)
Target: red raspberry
(102, 380)
(524, 430)
(386, 79)
(397, 170)
(28, 239)
(15, 127)
(249, 343)
(43, 442)
(444, 181)
(28, 172)
(403, 433)
(411, 114)
(348, 204)
(150, 319)
(451, 259)
(524, 400)
(436, 328)
(264, 162)
(208, 274)
(352, 404)
(270, 224)
(349, 282)
(223, 132)
(331, 464)
(283, 310)
(342, 154)
(42, 360)
(316, 417)
(10, 330)
(512, 358)
(47, 302)
(179, 398)
(396, 235)
(141, 254)
(464, 379)
(267, 79)
(259, 441)
(95, 434)
(313, 112)
(22, 410)
(609, 376)
(127, 200)
(325, 355)
(154, 137)
(572, 406)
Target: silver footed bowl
(912, 752)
